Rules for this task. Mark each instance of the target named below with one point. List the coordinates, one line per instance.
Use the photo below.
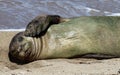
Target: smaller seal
(40, 25)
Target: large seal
(40, 24)
(79, 36)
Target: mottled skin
(39, 25)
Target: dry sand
(76, 66)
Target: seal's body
(79, 36)
(40, 24)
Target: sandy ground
(76, 66)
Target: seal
(77, 37)
(39, 25)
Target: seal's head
(19, 48)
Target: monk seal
(40, 24)
(79, 36)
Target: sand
(75, 66)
